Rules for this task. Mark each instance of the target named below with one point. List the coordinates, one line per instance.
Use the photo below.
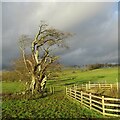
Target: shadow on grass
(69, 83)
(25, 96)
(100, 76)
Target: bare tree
(41, 58)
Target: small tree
(41, 56)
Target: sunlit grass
(12, 87)
(56, 105)
(70, 77)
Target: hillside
(55, 105)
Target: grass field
(12, 87)
(53, 106)
(56, 105)
(75, 76)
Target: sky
(95, 28)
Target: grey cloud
(95, 26)
(100, 45)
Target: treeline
(97, 66)
(18, 72)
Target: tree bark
(45, 39)
(38, 85)
(33, 84)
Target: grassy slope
(12, 87)
(67, 77)
(53, 106)
(56, 105)
(72, 76)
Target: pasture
(55, 105)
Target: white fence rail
(99, 85)
(103, 105)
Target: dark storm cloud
(96, 40)
(94, 25)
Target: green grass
(12, 87)
(56, 105)
(69, 77)
(53, 106)
(72, 76)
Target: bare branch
(45, 40)
(24, 58)
(31, 65)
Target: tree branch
(30, 63)
(24, 58)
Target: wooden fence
(97, 85)
(105, 106)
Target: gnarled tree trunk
(38, 85)
(41, 46)
(33, 83)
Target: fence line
(105, 106)
(98, 85)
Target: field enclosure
(104, 105)
(104, 86)
(56, 105)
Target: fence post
(89, 85)
(53, 90)
(86, 87)
(117, 86)
(81, 97)
(99, 85)
(103, 107)
(50, 89)
(90, 100)
(111, 86)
